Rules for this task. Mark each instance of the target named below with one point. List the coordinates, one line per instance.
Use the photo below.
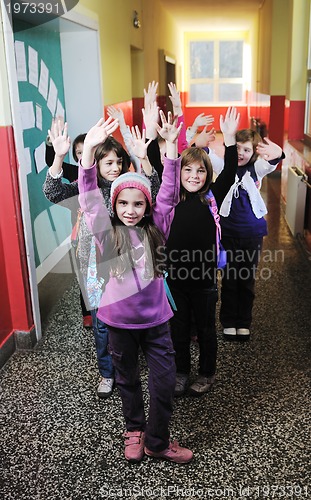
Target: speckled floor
(250, 435)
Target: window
(217, 71)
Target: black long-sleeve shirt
(191, 247)
(70, 172)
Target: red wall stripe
(277, 119)
(14, 271)
(296, 114)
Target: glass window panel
(231, 59)
(230, 92)
(201, 92)
(201, 59)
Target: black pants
(85, 311)
(202, 304)
(238, 281)
(85, 308)
(156, 344)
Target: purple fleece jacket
(132, 300)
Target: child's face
(110, 166)
(193, 177)
(79, 150)
(131, 205)
(245, 152)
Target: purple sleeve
(182, 141)
(91, 202)
(168, 195)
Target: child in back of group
(112, 160)
(67, 195)
(243, 228)
(70, 171)
(60, 168)
(192, 255)
(156, 149)
(134, 305)
(187, 137)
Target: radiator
(295, 200)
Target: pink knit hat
(130, 180)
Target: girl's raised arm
(139, 148)
(169, 132)
(61, 144)
(95, 136)
(229, 125)
(268, 150)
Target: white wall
(81, 74)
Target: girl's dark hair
(111, 144)
(122, 249)
(78, 139)
(247, 134)
(197, 155)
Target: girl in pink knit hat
(134, 305)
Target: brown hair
(197, 155)
(247, 134)
(111, 144)
(79, 139)
(120, 246)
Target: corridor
(250, 435)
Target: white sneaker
(201, 385)
(230, 333)
(243, 333)
(105, 387)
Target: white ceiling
(198, 15)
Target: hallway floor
(250, 435)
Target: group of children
(150, 244)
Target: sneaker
(134, 445)
(174, 453)
(230, 333)
(87, 321)
(242, 333)
(201, 385)
(105, 387)
(181, 384)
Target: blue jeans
(104, 359)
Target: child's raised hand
(268, 150)
(203, 139)
(139, 143)
(203, 120)
(175, 97)
(229, 126)
(59, 138)
(150, 95)
(151, 117)
(59, 123)
(100, 132)
(230, 123)
(116, 114)
(168, 131)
